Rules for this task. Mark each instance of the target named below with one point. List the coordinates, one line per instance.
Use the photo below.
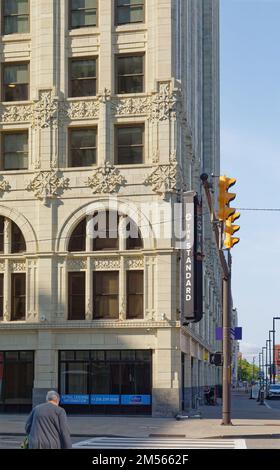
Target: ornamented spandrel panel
(106, 264)
(77, 264)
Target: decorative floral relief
(165, 178)
(106, 179)
(18, 266)
(10, 114)
(4, 186)
(81, 110)
(2, 266)
(77, 264)
(45, 111)
(46, 184)
(135, 263)
(107, 264)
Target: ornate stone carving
(105, 263)
(159, 106)
(165, 178)
(104, 96)
(2, 266)
(45, 111)
(4, 186)
(106, 179)
(18, 266)
(77, 264)
(16, 113)
(82, 110)
(163, 104)
(135, 263)
(135, 106)
(46, 184)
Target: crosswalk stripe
(157, 443)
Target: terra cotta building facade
(104, 101)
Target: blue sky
(250, 151)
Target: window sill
(71, 99)
(68, 169)
(84, 31)
(17, 103)
(16, 37)
(130, 27)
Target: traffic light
(225, 197)
(230, 229)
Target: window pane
(16, 7)
(130, 135)
(135, 288)
(1, 295)
(80, 19)
(16, 24)
(66, 355)
(130, 85)
(18, 242)
(131, 65)
(113, 355)
(85, 87)
(77, 241)
(82, 355)
(128, 355)
(106, 294)
(75, 4)
(17, 73)
(83, 68)
(1, 234)
(83, 138)
(76, 296)
(26, 356)
(107, 283)
(18, 296)
(74, 378)
(15, 151)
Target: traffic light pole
(226, 419)
(226, 278)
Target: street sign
(235, 333)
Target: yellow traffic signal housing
(225, 197)
(230, 230)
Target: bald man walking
(47, 426)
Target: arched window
(104, 233)
(12, 241)
(15, 242)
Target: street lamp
(266, 362)
(263, 367)
(270, 362)
(260, 369)
(273, 348)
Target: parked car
(273, 391)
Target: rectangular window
(106, 295)
(130, 73)
(82, 147)
(15, 16)
(2, 234)
(130, 11)
(15, 82)
(135, 294)
(18, 296)
(1, 295)
(83, 13)
(129, 145)
(15, 151)
(83, 77)
(76, 296)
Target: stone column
(46, 369)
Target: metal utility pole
(253, 368)
(270, 358)
(226, 276)
(273, 348)
(227, 347)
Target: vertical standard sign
(192, 259)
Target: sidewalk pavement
(249, 419)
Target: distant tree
(247, 371)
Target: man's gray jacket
(47, 428)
